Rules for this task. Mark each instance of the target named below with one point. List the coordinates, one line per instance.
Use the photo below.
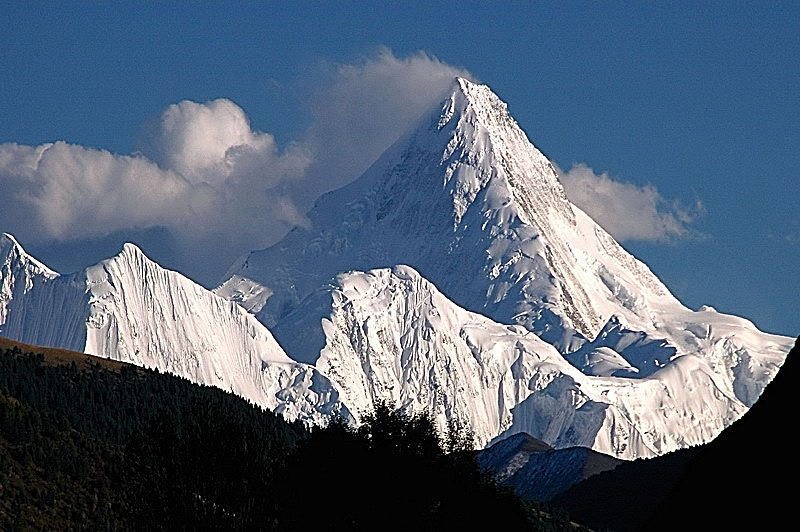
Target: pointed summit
(468, 201)
(19, 273)
(12, 251)
(7, 239)
(129, 248)
(10, 248)
(474, 150)
(132, 254)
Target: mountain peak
(129, 248)
(8, 238)
(475, 108)
(9, 244)
(12, 251)
(133, 254)
(471, 204)
(477, 94)
(480, 135)
(466, 188)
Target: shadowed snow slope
(129, 308)
(536, 470)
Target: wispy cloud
(367, 106)
(788, 232)
(628, 211)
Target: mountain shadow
(537, 471)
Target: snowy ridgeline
(548, 326)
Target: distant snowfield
(453, 277)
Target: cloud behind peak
(627, 211)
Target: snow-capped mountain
(515, 312)
(129, 308)
(389, 334)
(18, 274)
(384, 334)
(470, 203)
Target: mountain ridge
(131, 309)
(537, 471)
(467, 201)
(388, 334)
(746, 458)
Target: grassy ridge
(55, 356)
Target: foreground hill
(92, 446)
(54, 356)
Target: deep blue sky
(702, 102)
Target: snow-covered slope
(384, 334)
(471, 204)
(19, 272)
(131, 309)
(389, 334)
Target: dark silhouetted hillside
(92, 446)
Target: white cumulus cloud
(64, 191)
(202, 140)
(627, 211)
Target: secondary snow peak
(7, 239)
(130, 248)
(12, 251)
(133, 257)
(129, 308)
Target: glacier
(389, 334)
